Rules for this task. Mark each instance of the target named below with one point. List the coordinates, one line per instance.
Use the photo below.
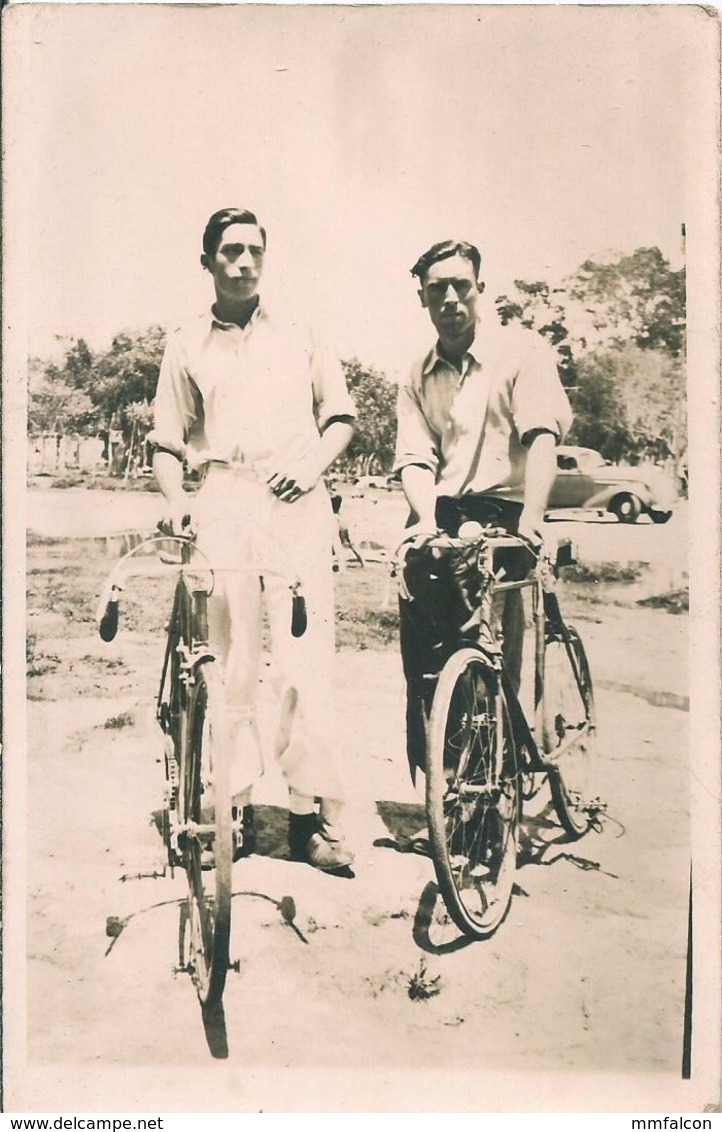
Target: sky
(359, 136)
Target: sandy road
(586, 974)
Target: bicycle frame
(548, 624)
(187, 644)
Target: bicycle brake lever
(108, 626)
(299, 615)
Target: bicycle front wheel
(472, 794)
(570, 731)
(205, 840)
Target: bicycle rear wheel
(570, 731)
(472, 794)
(205, 822)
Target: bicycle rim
(472, 794)
(570, 732)
(206, 798)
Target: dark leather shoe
(310, 839)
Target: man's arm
(419, 484)
(168, 470)
(541, 467)
(417, 461)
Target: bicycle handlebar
(108, 610)
(441, 540)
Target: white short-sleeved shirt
(241, 394)
(468, 427)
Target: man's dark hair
(444, 250)
(221, 220)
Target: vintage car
(586, 480)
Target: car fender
(603, 497)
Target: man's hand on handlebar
(531, 528)
(415, 536)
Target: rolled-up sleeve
(539, 402)
(177, 407)
(331, 397)
(416, 442)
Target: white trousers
(248, 534)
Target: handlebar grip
(109, 622)
(299, 616)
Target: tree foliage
(55, 406)
(373, 444)
(629, 403)
(102, 393)
(619, 329)
(635, 299)
(537, 308)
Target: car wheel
(626, 507)
(660, 516)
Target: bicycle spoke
(473, 820)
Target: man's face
(449, 292)
(237, 265)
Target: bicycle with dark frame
(483, 755)
(200, 826)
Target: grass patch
(366, 628)
(366, 609)
(609, 572)
(94, 481)
(673, 601)
(118, 722)
(38, 663)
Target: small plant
(117, 722)
(421, 986)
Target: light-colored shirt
(468, 426)
(241, 394)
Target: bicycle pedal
(155, 875)
(234, 965)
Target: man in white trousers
(254, 399)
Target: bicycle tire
(206, 799)
(569, 708)
(472, 794)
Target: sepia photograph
(361, 745)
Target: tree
(599, 416)
(536, 309)
(105, 393)
(636, 298)
(629, 403)
(54, 405)
(619, 328)
(373, 443)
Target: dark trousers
(421, 661)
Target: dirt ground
(586, 975)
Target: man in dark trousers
(479, 419)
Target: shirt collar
(259, 314)
(434, 358)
